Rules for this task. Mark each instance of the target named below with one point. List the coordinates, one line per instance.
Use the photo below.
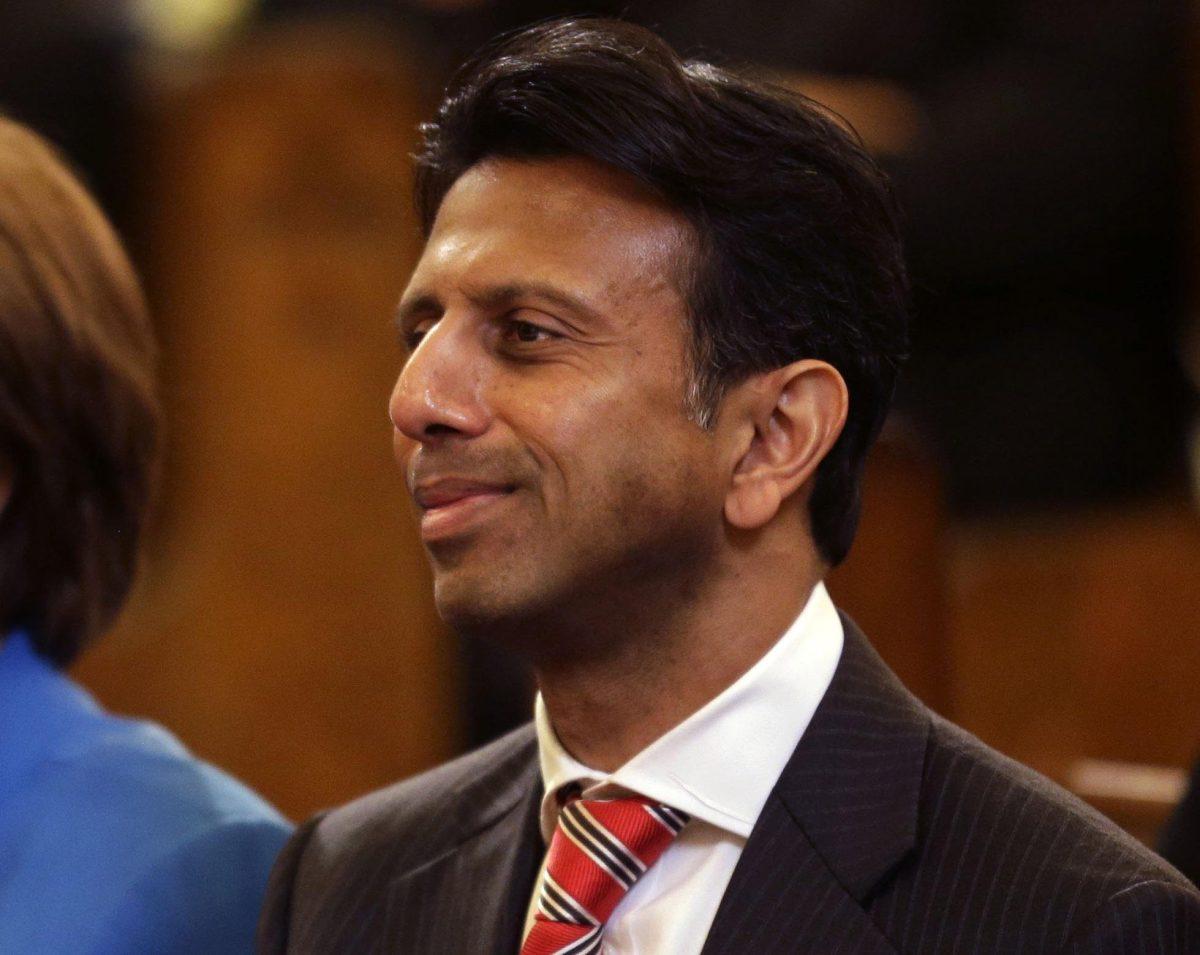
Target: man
(653, 333)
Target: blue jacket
(113, 838)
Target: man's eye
(413, 337)
(527, 332)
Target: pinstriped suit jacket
(889, 831)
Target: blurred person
(653, 333)
(113, 838)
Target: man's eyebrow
(494, 298)
(504, 295)
(420, 305)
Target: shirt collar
(721, 763)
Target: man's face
(540, 418)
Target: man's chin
(466, 609)
(473, 609)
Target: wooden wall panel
(1079, 635)
(894, 582)
(284, 626)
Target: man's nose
(439, 392)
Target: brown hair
(79, 417)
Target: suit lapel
(841, 818)
(473, 898)
(784, 898)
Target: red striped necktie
(600, 848)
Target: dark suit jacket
(1180, 839)
(890, 830)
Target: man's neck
(666, 663)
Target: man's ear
(793, 416)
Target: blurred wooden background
(283, 625)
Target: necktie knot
(599, 850)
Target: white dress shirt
(719, 766)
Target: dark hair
(78, 410)
(796, 247)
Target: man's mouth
(450, 506)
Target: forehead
(567, 221)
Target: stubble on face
(553, 591)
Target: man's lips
(450, 506)
(444, 492)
